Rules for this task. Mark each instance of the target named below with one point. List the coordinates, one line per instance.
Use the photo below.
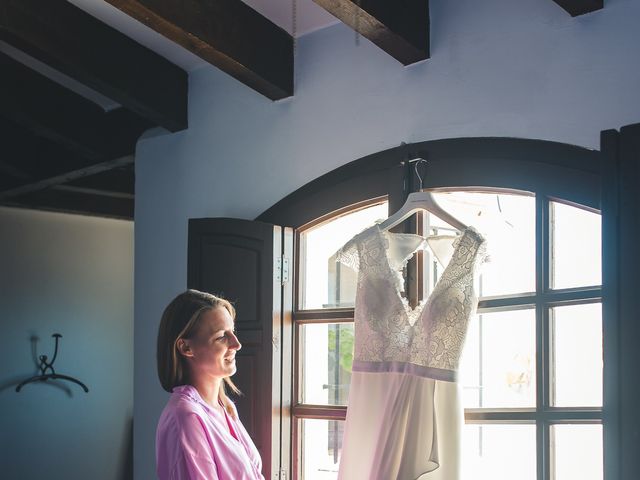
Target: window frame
(551, 171)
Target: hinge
(281, 475)
(277, 270)
(285, 269)
(281, 269)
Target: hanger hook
(415, 167)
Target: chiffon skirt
(402, 427)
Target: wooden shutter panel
(237, 259)
(621, 309)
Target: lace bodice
(389, 334)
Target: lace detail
(386, 328)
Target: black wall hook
(46, 366)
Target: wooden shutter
(241, 260)
(621, 307)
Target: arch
(556, 170)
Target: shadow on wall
(126, 456)
(17, 379)
(124, 467)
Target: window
(531, 370)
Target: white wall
(497, 68)
(72, 275)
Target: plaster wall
(72, 275)
(497, 68)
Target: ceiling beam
(49, 110)
(226, 33)
(75, 202)
(121, 180)
(36, 157)
(65, 177)
(94, 191)
(399, 27)
(98, 56)
(15, 172)
(580, 7)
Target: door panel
(235, 259)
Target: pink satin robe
(197, 442)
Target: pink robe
(197, 442)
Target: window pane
(321, 448)
(508, 224)
(577, 452)
(576, 257)
(323, 282)
(498, 363)
(327, 355)
(577, 355)
(499, 452)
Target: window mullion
(542, 339)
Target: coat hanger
(45, 366)
(418, 201)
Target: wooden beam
(15, 172)
(50, 110)
(121, 180)
(66, 177)
(35, 156)
(44, 107)
(94, 191)
(399, 27)
(85, 49)
(580, 7)
(226, 33)
(74, 202)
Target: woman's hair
(180, 320)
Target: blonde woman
(199, 434)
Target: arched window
(532, 365)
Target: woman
(199, 434)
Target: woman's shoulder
(182, 407)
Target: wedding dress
(404, 415)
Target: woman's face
(212, 350)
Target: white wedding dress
(404, 415)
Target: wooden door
(241, 260)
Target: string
(356, 22)
(294, 32)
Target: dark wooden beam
(121, 180)
(123, 129)
(94, 191)
(36, 157)
(226, 33)
(80, 46)
(399, 27)
(12, 171)
(75, 202)
(580, 7)
(65, 177)
(50, 110)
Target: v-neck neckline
(412, 315)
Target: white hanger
(417, 201)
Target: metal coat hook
(47, 366)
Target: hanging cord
(294, 33)
(356, 23)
